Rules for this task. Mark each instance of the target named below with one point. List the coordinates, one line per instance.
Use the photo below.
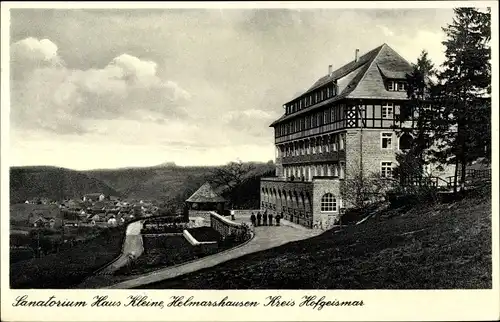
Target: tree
(418, 116)
(464, 90)
(360, 189)
(231, 174)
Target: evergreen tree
(416, 119)
(465, 85)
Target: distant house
(39, 221)
(112, 221)
(98, 206)
(74, 204)
(44, 201)
(95, 217)
(71, 223)
(94, 197)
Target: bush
(412, 195)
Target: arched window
(328, 203)
(405, 142)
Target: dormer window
(396, 86)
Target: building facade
(345, 123)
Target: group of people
(264, 219)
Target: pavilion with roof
(206, 199)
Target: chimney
(330, 69)
(356, 55)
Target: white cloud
(387, 32)
(49, 96)
(34, 50)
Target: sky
(118, 88)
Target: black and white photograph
(253, 148)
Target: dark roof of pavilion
(361, 79)
(205, 194)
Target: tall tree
(417, 119)
(464, 89)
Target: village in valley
(94, 209)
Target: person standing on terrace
(252, 219)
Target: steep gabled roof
(205, 194)
(363, 78)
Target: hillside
(152, 182)
(53, 183)
(445, 246)
(163, 182)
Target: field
(159, 252)
(69, 267)
(25, 240)
(445, 246)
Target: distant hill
(164, 182)
(53, 183)
(158, 182)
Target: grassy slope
(70, 267)
(51, 182)
(443, 246)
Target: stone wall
(370, 151)
(226, 227)
(201, 217)
(204, 248)
(322, 186)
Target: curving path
(132, 248)
(265, 237)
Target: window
(328, 203)
(396, 86)
(386, 170)
(388, 111)
(386, 140)
(405, 141)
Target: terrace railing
(227, 227)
